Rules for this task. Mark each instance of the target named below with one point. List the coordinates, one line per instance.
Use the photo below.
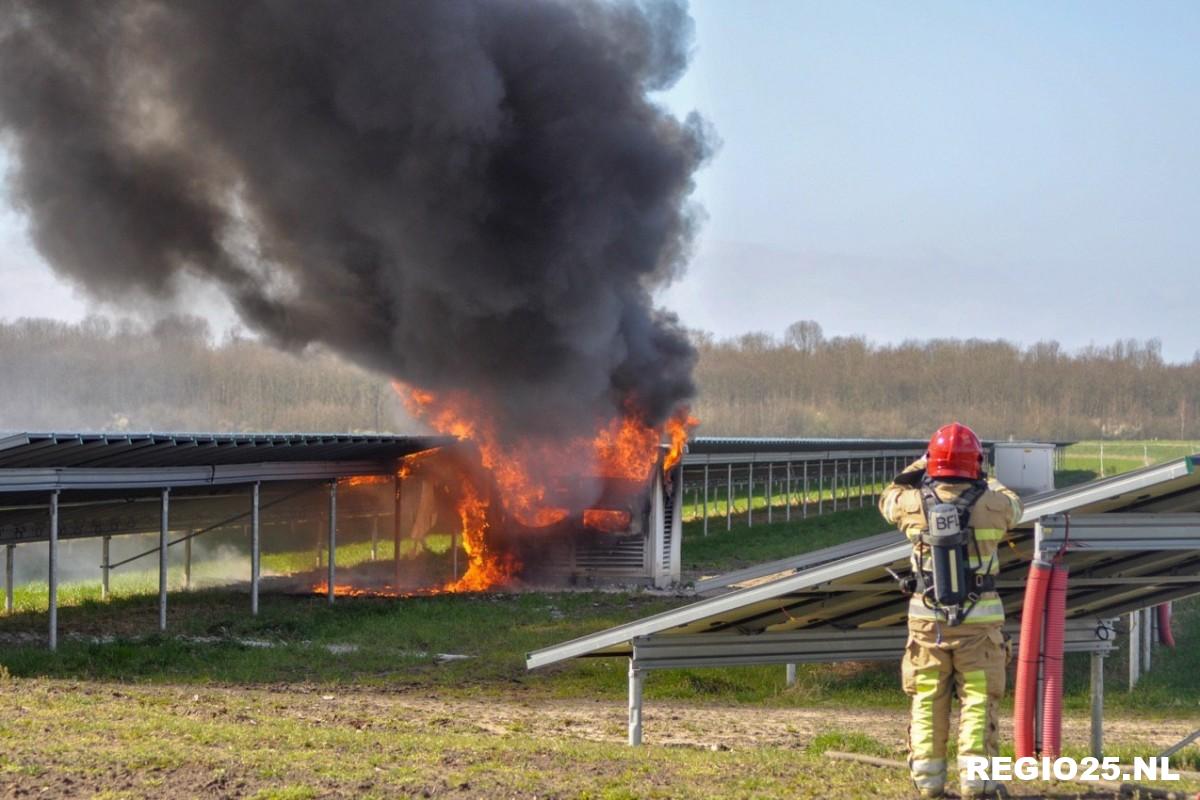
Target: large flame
(679, 428)
(485, 568)
(623, 447)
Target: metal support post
(862, 482)
(52, 552)
(332, 537)
(791, 675)
(1135, 648)
(397, 507)
(163, 524)
(787, 512)
(874, 481)
(804, 502)
(833, 483)
(750, 497)
(729, 498)
(255, 552)
(187, 563)
(637, 678)
(706, 496)
(320, 547)
(820, 488)
(9, 551)
(1097, 705)
(1147, 638)
(770, 491)
(105, 560)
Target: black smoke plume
(474, 195)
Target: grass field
(1114, 457)
(357, 699)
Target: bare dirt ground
(79, 739)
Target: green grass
(1124, 456)
(847, 497)
(725, 549)
(162, 715)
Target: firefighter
(956, 520)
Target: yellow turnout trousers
(970, 660)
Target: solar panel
(855, 591)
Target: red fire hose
(1165, 635)
(1052, 661)
(1029, 652)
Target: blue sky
(907, 170)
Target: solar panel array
(854, 590)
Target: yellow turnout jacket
(994, 514)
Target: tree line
(175, 375)
(172, 375)
(805, 384)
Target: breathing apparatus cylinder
(946, 539)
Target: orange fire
(366, 480)
(679, 428)
(606, 520)
(485, 568)
(347, 590)
(350, 590)
(623, 447)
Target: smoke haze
(474, 195)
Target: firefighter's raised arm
(908, 479)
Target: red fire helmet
(954, 452)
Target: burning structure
(476, 199)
